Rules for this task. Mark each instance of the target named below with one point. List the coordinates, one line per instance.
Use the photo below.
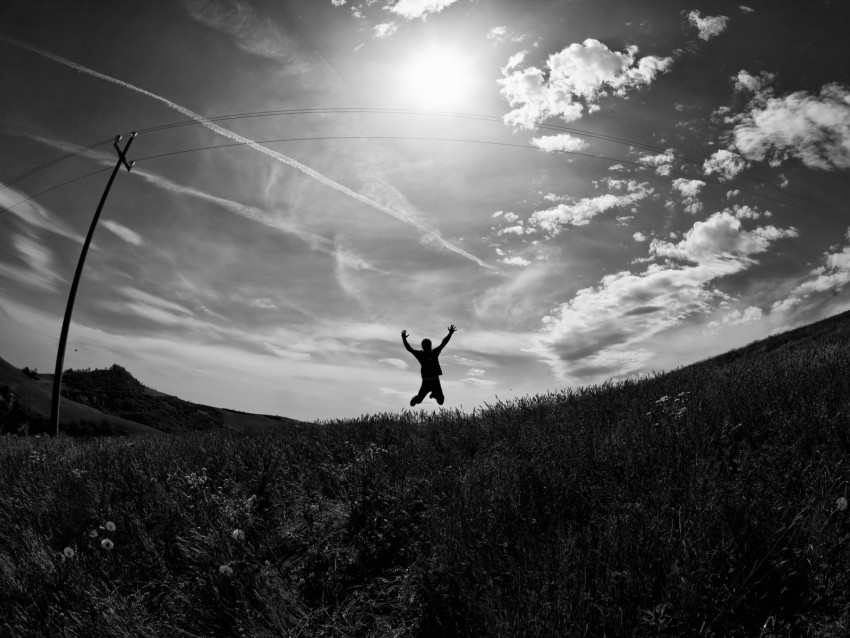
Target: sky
(590, 190)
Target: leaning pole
(69, 309)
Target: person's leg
(423, 390)
(437, 392)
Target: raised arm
(452, 330)
(404, 341)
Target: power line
(429, 113)
(612, 160)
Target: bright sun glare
(437, 78)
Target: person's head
(426, 345)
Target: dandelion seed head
(68, 552)
(110, 526)
(93, 533)
(238, 535)
(841, 503)
(107, 544)
(225, 570)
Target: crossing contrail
(280, 157)
(316, 242)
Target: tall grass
(709, 501)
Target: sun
(437, 78)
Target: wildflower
(841, 503)
(110, 526)
(68, 552)
(107, 544)
(225, 570)
(93, 533)
(238, 535)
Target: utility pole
(66, 323)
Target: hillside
(708, 501)
(25, 403)
(112, 401)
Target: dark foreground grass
(708, 501)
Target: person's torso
(430, 363)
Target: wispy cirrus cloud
(39, 270)
(251, 32)
(574, 80)
(430, 236)
(33, 213)
(130, 236)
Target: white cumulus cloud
(385, 29)
(581, 212)
(833, 274)
(724, 163)
(708, 26)
(720, 237)
(604, 330)
(559, 143)
(574, 80)
(814, 129)
(412, 9)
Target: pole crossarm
(69, 309)
(122, 155)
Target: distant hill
(25, 406)
(111, 401)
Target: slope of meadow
(707, 501)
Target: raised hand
(452, 328)
(404, 334)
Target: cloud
(516, 261)
(814, 129)
(690, 189)
(514, 61)
(745, 9)
(663, 162)
(735, 318)
(430, 236)
(34, 213)
(604, 330)
(708, 26)
(396, 363)
(40, 271)
(639, 237)
(832, 275)
(497, 33)
(720, 237)
(251, 32)
(559, 143)
(131, 237)
(726, 164)
(581, 212)
(575, 79)
(412, 9)
(385, 29)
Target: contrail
(433, 235)
(316, 242)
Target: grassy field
(709, 501)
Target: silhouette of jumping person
(431, 370)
